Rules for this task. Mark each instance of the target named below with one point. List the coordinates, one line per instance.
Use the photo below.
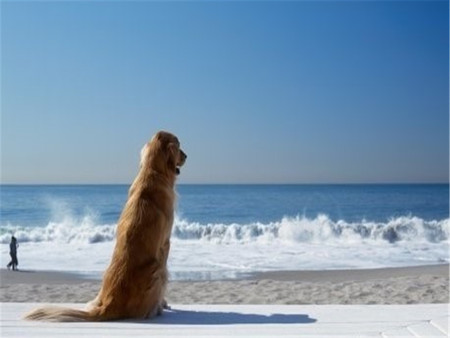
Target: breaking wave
(319, 229)
(84, 230)
(297, 229)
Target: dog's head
(163, 153)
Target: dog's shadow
(183, 317)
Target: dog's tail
(60, 314)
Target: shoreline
(8, 277)
(404, 285)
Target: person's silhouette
(13, 252)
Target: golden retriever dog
(135, 282)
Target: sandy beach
(410, 285)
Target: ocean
(229, 231)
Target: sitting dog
(135, 282)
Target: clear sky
(257, 92)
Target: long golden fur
(135, 282)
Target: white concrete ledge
(427, 320)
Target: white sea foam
(68, 230)
(221, 250)
(290, 229)
(317, 230)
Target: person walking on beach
(13, 252)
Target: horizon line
(236, 183)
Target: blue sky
(257, 92)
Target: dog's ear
(172, 152)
